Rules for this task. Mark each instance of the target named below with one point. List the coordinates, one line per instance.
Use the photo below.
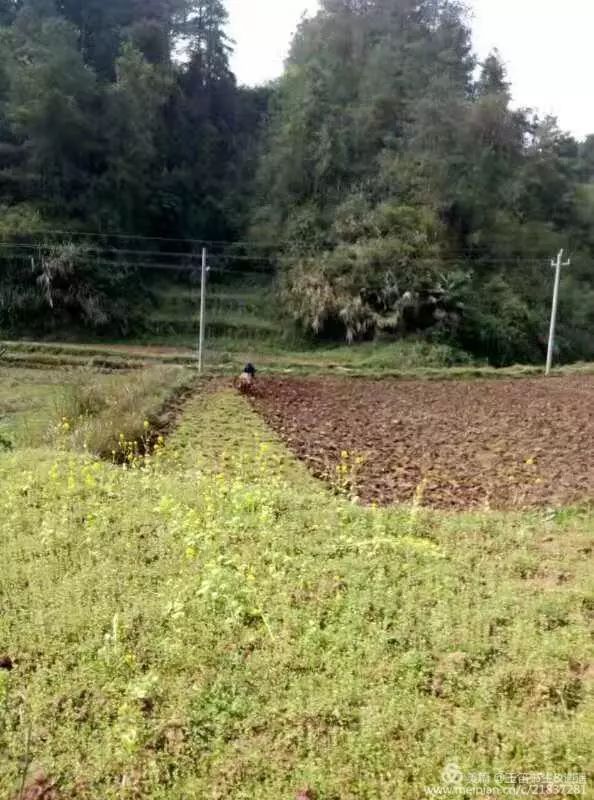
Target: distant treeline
(400, 191)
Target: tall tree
(49, 101)
(133, 106)
(355, 80)
(201, 152)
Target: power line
(35, 249)
(188, 268)
(168, 268)
(222, 261)
(136, 237)
(283, 248)
(100, 251)
(149, 265)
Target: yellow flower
(146, 425)
(130, 659)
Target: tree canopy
(120, 114)
(404, 192)
(414, 197)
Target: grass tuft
(95, 412)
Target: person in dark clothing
(247, 378)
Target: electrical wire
(254, 246)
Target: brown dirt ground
(40, 788)
(501, 444)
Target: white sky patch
(546, 46)
(262, 30)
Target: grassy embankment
(397, 360)
(85, 408)
(243, 325)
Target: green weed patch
(218, 624)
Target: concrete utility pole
(202, 312)
(557, 265)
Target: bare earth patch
(502, 444)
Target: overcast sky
(547, 47)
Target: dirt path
(506, 444)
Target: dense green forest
(385, 174)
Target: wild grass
(227, 353)
(96, 412)
(403, 355)
(83, 408)
(218, 625)
(26, 404)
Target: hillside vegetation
(385, 180)
(413, 196)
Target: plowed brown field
(503, 444)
